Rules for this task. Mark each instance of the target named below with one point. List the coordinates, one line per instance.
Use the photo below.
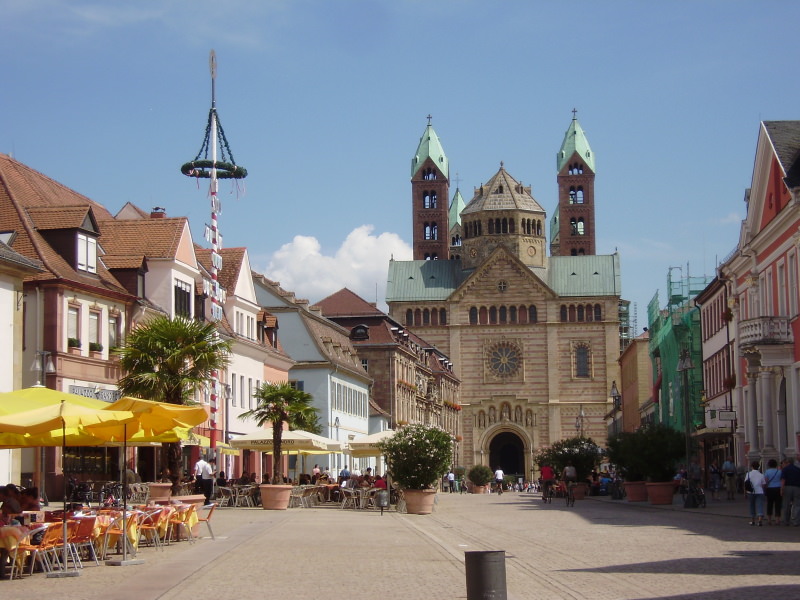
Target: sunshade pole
(64, 572)
(124, 472)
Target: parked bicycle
(694, 496)
(570, 495)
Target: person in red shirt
(548, 478)
(379, 482)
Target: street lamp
(617, 398)
(336, 424)
(579, 422)
(44, 365)
(684, 365)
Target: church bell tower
(573, 225)
(430, 190)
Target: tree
(582, 452)
(168, 360)
(279, 403)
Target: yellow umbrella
(38, 396)
(158, 417)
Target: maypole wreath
(202, 168)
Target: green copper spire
(430, 147)
(575, 141)
(456, 206)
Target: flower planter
(660, 492)
(159, 492)
(275, 497)
(419, 502)
(478, 489)
(74, 350)
(636, 491)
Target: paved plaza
(601, 548)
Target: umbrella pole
(64, 572)
(123, 469)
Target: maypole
(214, 170)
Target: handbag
(748, 485)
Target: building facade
(533, 339)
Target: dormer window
(87, 253)
(360, 332)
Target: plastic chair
(83, 538)
(180, 520)
(207, 518)
(149, 527)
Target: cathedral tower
(572, 228)
(430, 190)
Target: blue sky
(324, 103)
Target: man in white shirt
(204, 473)
(498, 479)
(451, 481)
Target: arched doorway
(506, 451)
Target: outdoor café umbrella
(38, 396)
(291, 441)
(37, 426)
(368, 445)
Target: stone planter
(159, 492)
(661, 492)
(275, 497)
(636, 491)
(478, 489)
(419, 502)
(74, 350)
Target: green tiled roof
(423, 279)
(585, 275)
(430, 147)
(575, 141)
(456, 206)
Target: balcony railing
(765, 330)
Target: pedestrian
(204, 476)
(790, 493)
(773, 491)
(451, 480)
(729, 473)
(498, 479)
(344, 476)
(756, 495)
(715, 479)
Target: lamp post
(617, 398)
(684, 365)
(336, 425)
(579, 422)
(44, 365)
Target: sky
(324, 103)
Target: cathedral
(534, 338)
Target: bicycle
(694, 496)
(498, 486)
(570, 495)
(548, 492)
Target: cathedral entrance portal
(506, 451)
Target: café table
(10, 538)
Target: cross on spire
(458, 179)
(429, 120)
(574, 114)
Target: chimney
(158, 212)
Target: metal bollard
(486, 575)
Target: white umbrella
(291, 441)
(368, 445)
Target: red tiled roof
(59, 217)
(345, 303)
(231, 264)
(153, 238)
(124, 261)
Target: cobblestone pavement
(601, 549)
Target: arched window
(484, 316)
(573, 252)
(523, 315)
(589, 312)
(581, 313)
(434, 256)
(582, 361)
(442, 316)
(434, 231)
(598, 313)
(493, 315)
(503, 315)
(426, 317)
(511, 226)
(571, 313)
(579, 196)
(512, 314)
(491, 226)
(563, 313)
(532, 315)
(581, 229)
(435, 316)
(505, 225)
(538, 228)
(418, 317)
(573, 226)
(497, 225)
(473, 316)
(409, 318)
(573, 195)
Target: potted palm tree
(417, 456)
(480, 476)
(279, 404)
(168, 360)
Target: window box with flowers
(95, 348)
(74, 345)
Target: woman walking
(773, 477)
(755, 493)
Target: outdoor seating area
(94, 535)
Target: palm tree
(279, 403)
(168, 360)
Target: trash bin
(486, 574)
(382, 499)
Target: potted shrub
(95, 347)
(582, 452)
(74, 345)
(416, 457)
(651, 452)
(279, 403)
(624, 451)
(480, 476)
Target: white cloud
(360, 264)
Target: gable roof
(153, 238)
(232, 259)
(502, 192)
(785, 138)
(423, 280)
(346, 303)
(63, 217)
